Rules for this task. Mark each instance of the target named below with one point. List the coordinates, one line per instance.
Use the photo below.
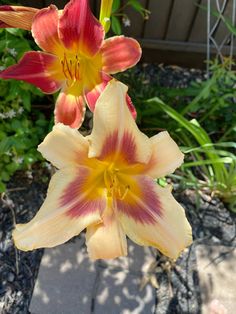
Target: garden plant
(114, 179)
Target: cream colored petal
(115, 131)
(64, 146)
(61, 216)
(166, 156)
(106, 240)
(168, 231)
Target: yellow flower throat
(113, 182)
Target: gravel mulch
(18, 269)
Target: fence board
(35, 4)
(182, 14)
(199, 30)
(158, 20)
(137, 21)
(222, 29)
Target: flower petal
(120, 53)
(92, 96)
(67, 210)
(79, 29)
(151, 216)
(115, 134)
(166, 156)
(35, 68)
(64, 146)
(17, 16)
(131, 106)
(106, 240)
(70, 107)
(45, 29)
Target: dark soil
(18, 269)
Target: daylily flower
(105, 183)
(75, 59)
(17, 16)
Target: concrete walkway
(217, 273)
(69, 283)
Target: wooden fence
(176, 31)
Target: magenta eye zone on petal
(105, 184)
(123, 148)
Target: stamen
(113, 186)
(70, 68)
(127, 188)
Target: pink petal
(70, 108)
(131, 106)
(35, 68)
(120, 53)
(92, 96)
(17, 16)
(151, 216)
(45, 29)
(79, 29)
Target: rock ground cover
(18, 269)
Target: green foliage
(214, 166)
(22, 127)
(119, 16)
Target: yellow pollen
(114, 187)
(70, 67)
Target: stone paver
(69, 283)
(217, 273)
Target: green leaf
(2, 187)
(115, 25)
(115, 5)
(136, 5)
(26, 99)
(15, 31)
(6, 144)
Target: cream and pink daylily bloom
(105, 183)
(75, 59)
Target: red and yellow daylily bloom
(75, 59)
(105, 183)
